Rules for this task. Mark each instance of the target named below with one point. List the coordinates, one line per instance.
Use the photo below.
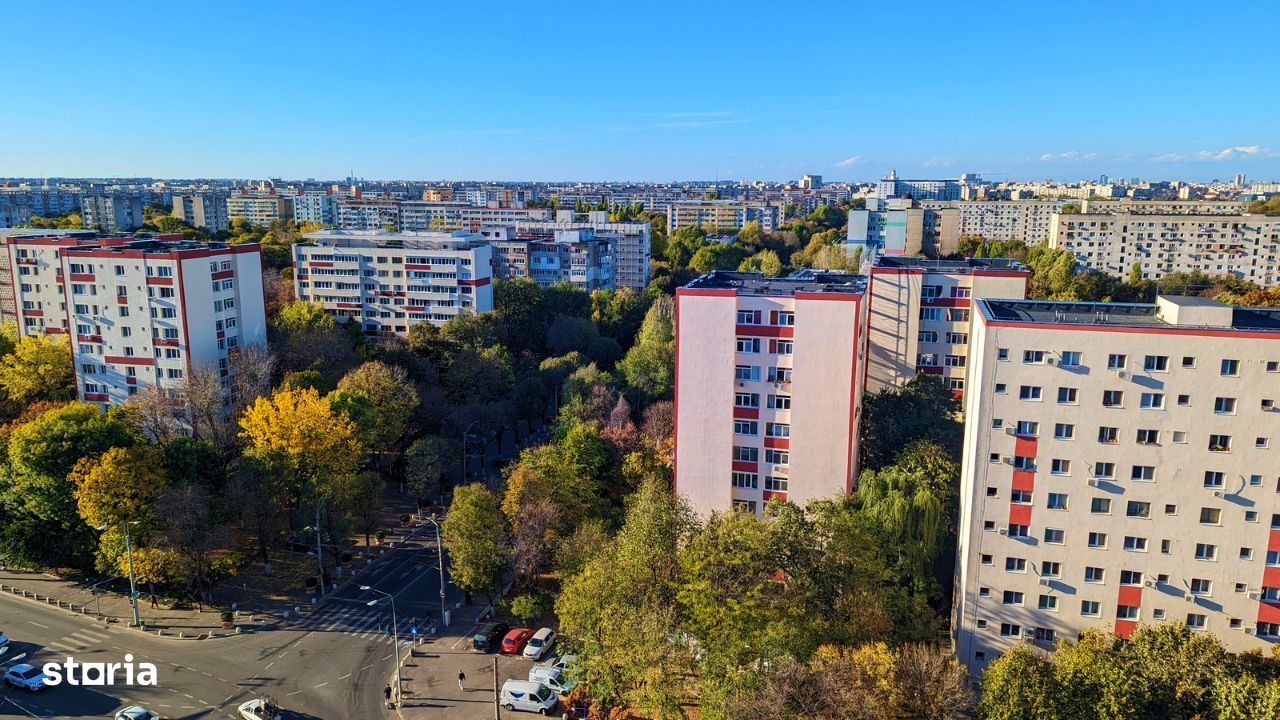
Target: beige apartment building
(259, 209)
(1119, 469)
(720, 214)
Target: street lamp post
(133, 584)
(395, 632)
(444, 618)
(465, 434)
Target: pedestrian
(386, 694)
(154, 604)
(462, 678)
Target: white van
(553, 677)
(529, 697)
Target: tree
(188, 532)
(429, 462)
(569, 333)
(909, 502)
(157, 415)
(120, 486)
(649, 367)
(474, 533)
(533, 541)
(517, 308)
(392, 401)
(717, 256)
(205, 398)
(766, 261)
(922, 408)
(935, 686)
(362, 498)
(39, 368)
(301, 316)
(1018, 685)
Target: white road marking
(33, 622)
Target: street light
(395, 632)
(465, 434)
(133, 585)
(444, 619)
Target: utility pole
(319, 549)
(133, 585)
(444, 618)
(497, 700)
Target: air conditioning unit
(1029, 633)
(1093, 482)
(1218, 493)
(1189, 598)
(1122, 374)
(1003, 531)
(741, 384)
(1011, 431)
(1250, 630)
(1051, 361)
(1150, 583)
(1044, 581)
(1007, 460)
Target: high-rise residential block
(1119, 469)
(631, 242)
(577, 257)
(389, 282)
(919, 320)
(259, 208)
(202, 210)
(720, 215)
(769, 381)
(316, 206)
(112, 212)
(48, 277)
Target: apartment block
(259, 209)
(317, 206)
(769, 379)
(390, 281)
(631, 242)
(42, 201)
(1028, 221)
(919, 320)
(578, 257)
(112, 212)
(139, 311)
(895, 187)
(1119, 469)
(721, 215)
(369, 214)
(1245, 246)
(12, 213)
(414, 215)
(202, 210)
(31, 254)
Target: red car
(514, 641)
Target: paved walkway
(429, 677)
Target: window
(1224, 406)
(957, 315)
(1126, 612)
(1048, 602)
(783, 347)
(1143, 472)
(1137, 509)
(1100, 506)
(746, 400)
(1260, 443)
(1090, 608)
(1213, 479)
(780, 402)
(1104, 470)
(1020, 497)
(743, 453)
(1012, 597)
(1206, 551)
(775, 484)
(777, 457)
(1130, 577)
(1151, 401)
(1028, 428)
(1054, 536)
(1268, 405)
(1195, 621)
(1246, 553)
(1013, 564)
(1058, 501)
(777, 429)
(745, 427)
(1116, 362)
(1188, 361)
(1064, 431)
(1219, 443)
(1135, 544)
(1067, 395)
(958, 338)
(1273, 366)
(930, 292)
(1210, 516)
(1230, 368)
(1148, 437)
(1098, 540)
(785, 317)
(1049, 568)
(1184, 400)
(1180, 437)
(930, 313)
(987, 559)
(779, 374)
(1113, 398)
(1029, 392)
(1060, 466)
(1156, 363)
(1001, 388)
(748, 506)
(745, 480)
(1024, 462)
(1018, 531)
(748, 345)
(1094, 574)
(953, 360)
(748, 317)
(928, 336)
(1108, 435)
(1033, 357)
(1002, 354)
(1010, 630)
(1070, 358)
(1266, 629)
(997, 423)
(747, 372)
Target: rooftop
(1168, 311)
(808, 281)
(161, 244)
(424, 239)
(966, 265)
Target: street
(333, 664)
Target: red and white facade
(1119, 468)
(139, 311)
(391, 281)
(919, 320)
(769, 380)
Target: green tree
(766, 261)
(517, 307)
(429, 463)
(392, 401)
(649, 366)
(301, 316)
(1018, 685)
(475, 533)
(38, 368)
(717, 256)
(921, 408)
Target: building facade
(721, 215)
(389, 282)
(769, 381)
(578, 257)
(1245, 246)
(895, 187)
(48, 276)
(259, 209)
(112, 212)
(919, 320)
(202, 210)
(631, 242)
(1119, 469)
(316, 206)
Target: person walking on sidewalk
(462, 678)
(386, 695)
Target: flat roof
(807, 281)
(1053, 312)
(407, 239)
(150, 245)
(948, 266)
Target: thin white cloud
(940, 162)
(1068, 156)
(851, 161)
(1235, 152)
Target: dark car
(488, 636)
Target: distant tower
(1240, 180)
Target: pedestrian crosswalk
(354, 621)
(79, 642)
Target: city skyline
(715, 91)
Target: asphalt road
(332, 665)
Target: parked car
(136, 712)
(540, 644)
(560, 662)
(513, 642)
(3, 640)
(488, 636)
(552, 677)
(25, 676)
(263, 708)
(529, 697)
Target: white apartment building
(203, 210)
(391, 281)
(317, 206)
(919, 320)
(1026, 220)
(368, 214)
(720, 214)
(140, 311)
(578, 257)
(1119, 468)
(112, 212)
(769, 381)
(894, 187)
(12, 213)
(259, 209)
(631, 242)
(1246, 246)
(417, 215)
(37, 248)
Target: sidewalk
(429, 677)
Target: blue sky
(638, 91)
